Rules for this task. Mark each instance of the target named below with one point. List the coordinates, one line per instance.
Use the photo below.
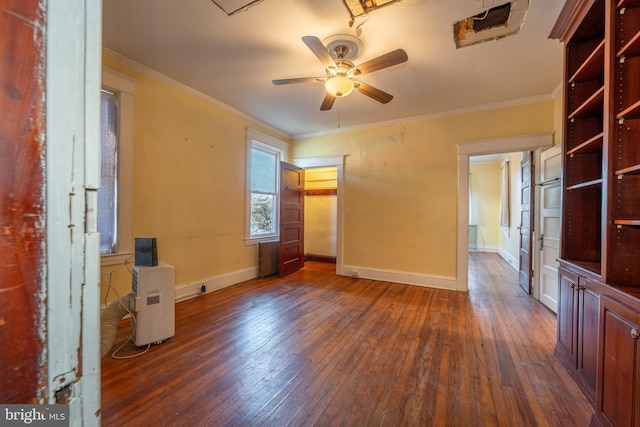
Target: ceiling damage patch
(495, 23)
(362, 7)
(231, 7)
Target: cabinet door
(567, 316)
(588, 324)
(618, 378)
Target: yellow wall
(320, 212)
(188, 181)
(400, 183)
(558, 116)
(484, 203)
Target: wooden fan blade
(327, 103)
(319, 50)
(298, 80)
(390, 59)
(373, 92)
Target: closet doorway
(324, 190)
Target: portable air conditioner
(154, 292)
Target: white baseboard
(513, 262)
(193, 289)
(407, 278)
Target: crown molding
(189, 90)
(443, 114)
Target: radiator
(268, 258)
(473, 238)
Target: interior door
(550, 192)
(526, 221)
(291, 219)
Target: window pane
(263, 214)
(263, 171)
(107, 193)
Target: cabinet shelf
(591, 106)
(589, 146)
(631, 170)
(631, 48)
(596, 184)
(627, 222)
(592, 266)
(631, 112)
(628, 3)
(592, 67)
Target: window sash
(108, 191)
(263, 187)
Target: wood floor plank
(318, 349)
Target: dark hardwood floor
(318, 349)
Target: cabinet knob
(573, 285)
(635, 334)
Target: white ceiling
(234, 58)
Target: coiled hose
(110, 319)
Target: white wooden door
(72, 177)
(549, 236)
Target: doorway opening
(494, 205)
(519, 144)
(320, 214)
(328, 172)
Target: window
(116, 151)
(107, 194)
(264, 154)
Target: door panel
(550, 168)
(526, 221)
(589, 319)
(291, 219)
(22, 240)
(567, 337)
(618, 388)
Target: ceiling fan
(341, 73)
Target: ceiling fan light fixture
(339, 86)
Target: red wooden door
(22, 114)
(291, 219)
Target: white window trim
(272, 145)
(124, 85)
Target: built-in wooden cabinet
(599, 294)
(578, 318)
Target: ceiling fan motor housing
(343, 46)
